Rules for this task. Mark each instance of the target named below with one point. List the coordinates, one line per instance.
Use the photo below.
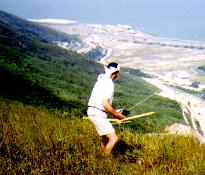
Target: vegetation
(44, 74)
(96, 53)
(200, 94)
(35, 140)
(135, 72)
(43, 97)
(202, 68)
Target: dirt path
(193, 108)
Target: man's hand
(120, 116)
(121, 113)
(112, 110)
(119, 110)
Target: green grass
(43, 97)
(35, 140)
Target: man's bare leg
(112, 140)
(104, 141)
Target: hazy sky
(172, 18)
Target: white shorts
(99, 119)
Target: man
(100, 103)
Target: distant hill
(33, 30)
(34, 70)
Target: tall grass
(35, 140)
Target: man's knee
(116, 138)
(113, 137)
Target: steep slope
(36, 141)
(34, 70)
(38, 72)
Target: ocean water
(180, 19)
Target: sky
(169, 18)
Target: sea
(178, 19)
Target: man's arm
(109, 108)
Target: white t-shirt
(103, 89)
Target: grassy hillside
(43, 96)
(44, 74)
(35, 140)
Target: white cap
(111, 69)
